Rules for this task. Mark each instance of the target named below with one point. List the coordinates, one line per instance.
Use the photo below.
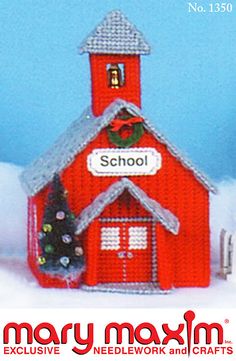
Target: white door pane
(137, 237)
(110, 237)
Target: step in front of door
(126, 287)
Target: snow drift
(13, 212)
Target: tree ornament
(41, 260)
(65, 193)
(41, 235)
(47, 227)
(65, 261)
(66, 238)
(116, 139)
(79, 251)
(60, 215)
(49, 248)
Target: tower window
(115, 75)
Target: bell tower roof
(115, 35)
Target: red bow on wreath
(117, 124)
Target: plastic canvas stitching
(78, 136)
(138, 237)
(162, 215)
(35, 225)
(125, 219)
(128, 288)
(154, 252)
(110, 238)
(115, 35)
(167, 260)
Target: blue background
(188, 82)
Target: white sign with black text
(124, 162)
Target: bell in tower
(114, 49)
(115, 80)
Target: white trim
(126, 219)
(154, 253)
(140, 288)
(30, 227)
(35, 223)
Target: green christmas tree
(60, 250)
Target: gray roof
(115, 35)
(79, 134)
(164, 216)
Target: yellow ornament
(47, 228)
(41, 260)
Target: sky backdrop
(188, 81)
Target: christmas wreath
(117, 124)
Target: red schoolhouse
(141, 208)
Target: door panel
(139, 251)
(110, 262)
(125, 252)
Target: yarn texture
(140, 230)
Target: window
(115, 75)
(110, 237)
(137, 237)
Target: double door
(125, 253)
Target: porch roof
(164, 216)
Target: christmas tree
(60, 250)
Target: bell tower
(114, 49)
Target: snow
(19, 284)
(13, 212)
(223, 214)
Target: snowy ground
(21, 289)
